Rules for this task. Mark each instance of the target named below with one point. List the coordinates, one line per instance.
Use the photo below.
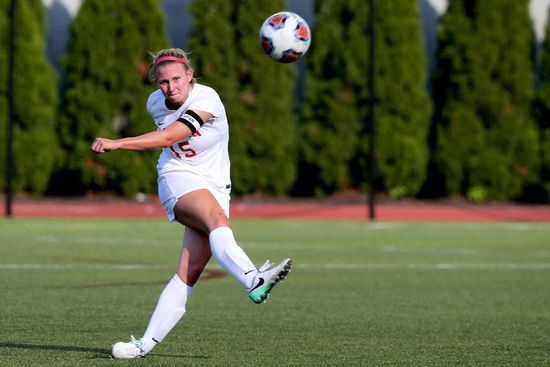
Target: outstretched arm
(152, 140)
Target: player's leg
(194, 257)
(172, 302)
(201, 210)
(171, 305)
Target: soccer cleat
(132, 349)
(267, 278)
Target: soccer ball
(285, 37)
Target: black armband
(192, 120)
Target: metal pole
(372, 104)
(11, 110)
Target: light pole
(372, 105)
(11, 110)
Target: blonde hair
(169, 55)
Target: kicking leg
(200, 210)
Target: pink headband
(170, 58)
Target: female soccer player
(193, 188)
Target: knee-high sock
(231, 257)
(169, 310)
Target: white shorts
(175, 184)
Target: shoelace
(137, 342)
(265, 266)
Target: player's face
(174, 80)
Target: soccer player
(193, 187)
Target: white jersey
(205, 153)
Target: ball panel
(302, 32)
(290, 56)
(267, 44)
(277, 21)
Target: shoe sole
(284, 272)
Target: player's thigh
(174, 185)
(200, 210)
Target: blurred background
(462, 96)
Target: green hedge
(479, 131)
(35, 148)
(487, 141)
(105, 93)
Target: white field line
(409, 249)
(300, 266)
(84, 266)
(95, 241)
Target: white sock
(170, 309)
(231, 257)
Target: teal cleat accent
(267, 279)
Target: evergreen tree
(105, 93)
(4, 65)
(335, 114)
(35, 146)
(542, 111)
(487, 143)
(404, 107)
(258, 93)
(332, 117)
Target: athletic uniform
(200, 161)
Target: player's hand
(102, 145)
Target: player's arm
(186, 126)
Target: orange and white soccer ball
(285, 37)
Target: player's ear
(190, 73)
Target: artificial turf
(360, 294)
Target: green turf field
(361, 294)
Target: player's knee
(218, 219)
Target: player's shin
(169, 310)
(231, 256)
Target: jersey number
(182, 147)
(187, 152)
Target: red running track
(410, 211)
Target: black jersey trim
(189, 124)
(194, 115)
(192, 120)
